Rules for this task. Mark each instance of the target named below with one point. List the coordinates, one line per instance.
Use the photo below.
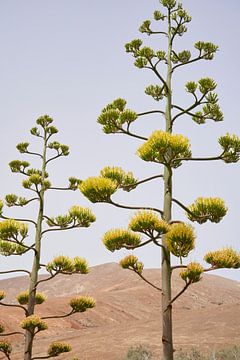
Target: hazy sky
(66, 58)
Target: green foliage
(224, 258)
(117, 239)
(5, 347)
(180, 239)
(57, 348)
(231, 148)
(114, 116)
(23, 298)
(33, 323)
(82, 303)
(165, 148)
(131, 262)
(148, 222)
(203, 209)
(192, 273)
(98, 189)
(124, 180)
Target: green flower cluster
(115, 115)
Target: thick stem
(167, 340)
(36, 262)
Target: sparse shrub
(193, 354)
(139, 352)
(232, 353)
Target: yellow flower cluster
(33, 322)
(203, 209)
(192, 273)
(120, 238)
(165, 148)
(131, 262)
(98, 189)
(180, 240)
(147, 222)
(224, 258)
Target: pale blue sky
(66, 58)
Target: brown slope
(128, 313)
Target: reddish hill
(128, 313)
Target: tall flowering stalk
(170, 150)
(14, 239)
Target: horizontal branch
(60, 188)
(59, 316)
(16, 306)
(21, 220)
(13, 271)
(142, 181)
(151, 112)
(211, 158)
(60, 229)
(129, 247)
(13, 333)
(135, 207)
